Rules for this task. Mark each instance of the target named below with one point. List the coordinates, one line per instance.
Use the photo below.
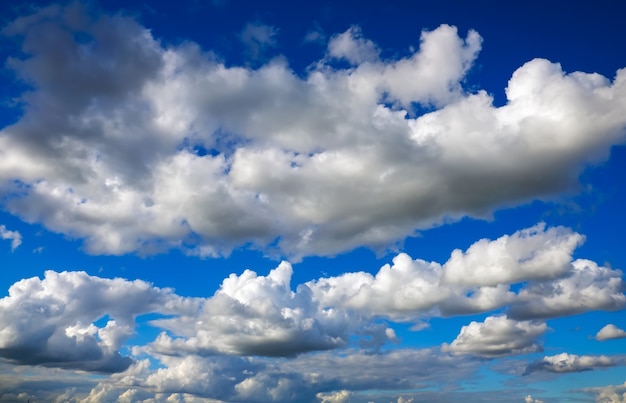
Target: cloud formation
(50, 322)
(137, 147)
(610, 331)
(14, 236)
(565, 362)
(59, 321)
(497, 336)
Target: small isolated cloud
(529, 399)
(564, 362)
(341, 396)
(14, 236)
(497, 336)
(610, 331)
(353, 47)
(257, 38)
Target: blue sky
(240, 201)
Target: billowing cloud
(261, 315)
(610, 331)
(532, 254)
(587, 287)
(609, 394)
(497, 336)
(256, 379)
(565, 362)
(50, 322)
(252, 314)
(265, 315)
(136, 147)
(14, 236)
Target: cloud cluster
(50, 322)
(609, 394)
(135, 147)
(59, 321)
(247, 341)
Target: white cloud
(609, 394)
(610, 331)
(132, 146)
(531, 254)
(14, 236)
(261, 315)
(497, 336)
(353, 47)
(586, 287)
(565, 362)
(341, 396)
(529, 399)
(50, 322)
(258, 379)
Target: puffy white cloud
(341, 396)
(497, 336)
(353, 47)
(257, 379)
(586, 287)
(261, 315)
(14, 236)
(531, 254)
(609, 394)
(565, 362)
(133, 146)
(529, 399)
(610, 331)
(50, 322)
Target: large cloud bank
(260, 339)
(134, 146)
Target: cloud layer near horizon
(134, 146)
(75, 321)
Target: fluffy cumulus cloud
(565, 362)
(59, 321)
(610, 331)
(14, 236)
(532, 254)
(609, 394)
(261, 315)
(50, 321)
(497, 336)
(133, 146)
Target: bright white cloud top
(134, 143)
